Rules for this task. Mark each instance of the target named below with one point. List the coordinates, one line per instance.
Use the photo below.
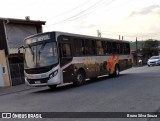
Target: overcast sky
(112, 18)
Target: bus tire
(116, 72)
(80, 78)
(52, 86)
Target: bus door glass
(64, 50)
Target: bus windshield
(40, 55)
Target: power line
(71, 10)
(108, 9)
(104, 4)
(75, 14)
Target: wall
(3, 44)
(15, 35)
(1, 77)
(4, 75)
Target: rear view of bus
(41, 63)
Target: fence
(17, 73)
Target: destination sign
(37, 39)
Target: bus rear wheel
(80, 78)
(116, 72)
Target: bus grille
(34, 81)
(38, 70)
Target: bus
(54, 58)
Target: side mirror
(19, 51)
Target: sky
(127, 18)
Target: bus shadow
(105, 78)
(57, 89)
(71, 86)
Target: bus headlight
(53, 74)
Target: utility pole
(98, 33)
(119, 37)
(136, 51)
(136, 45)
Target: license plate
(37, 82)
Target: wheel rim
(117, 71)
(80, 78)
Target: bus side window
(128, 48)
(105, 49)
(79, 47)
(99, 48)
(124, 48)
(89, 47)
(66, 50)
(121, 48)
(114, 48)
(109, 47)
(118, 48)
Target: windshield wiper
(31, 51)
(42, 47)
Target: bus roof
(77, 35)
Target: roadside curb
(14, 89)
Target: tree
(149, 48)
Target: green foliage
(150, 44)
(146, 48)
(149, 48)
(139, 45)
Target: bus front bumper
(43, 81)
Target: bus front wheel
(80, 78)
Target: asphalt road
(135, 90)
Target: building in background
(12, 34)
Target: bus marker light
(64, 71)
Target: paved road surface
(136, 90)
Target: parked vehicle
(154, 60)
